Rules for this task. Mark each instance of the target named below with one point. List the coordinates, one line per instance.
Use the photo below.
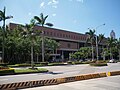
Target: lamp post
(3, 18)
(97, 40)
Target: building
(69, 41)
(112, 34)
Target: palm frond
(37, 19)
(49, 24)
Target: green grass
(30, 70)
(11, 71)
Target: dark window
(60, 35)
(54, 34)
(47, 33)
(68, 45)
(63, 35)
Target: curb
(113, 73)
(29, 84)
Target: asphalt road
(59, 71)
(106, 83)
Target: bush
(2, 68)
(20, 65)
(77, 62)
(55, 64)
(3, 64)
(70, 62)
(23, 65)
(44, 63)
(98, 64)
(7, 71)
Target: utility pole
(97, 51)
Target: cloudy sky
(71, 15)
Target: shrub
(55, 64)
(98, 64)
(7, 71)
(77, 62)
(3, 64)
(44, 63)
(70, 62)
(2, 68)
(23, 65)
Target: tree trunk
(43, 46)
(32, 63)
(37, 57)
(92, 53)
(119, 54)
(111, 56)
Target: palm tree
(91, 39)
(118, 47)
(42, 21)
(100, 38)
(29, 32)
(111, 44)
(3, 17)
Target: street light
(97, 39)
(3, 18)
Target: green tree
(41, 20)
(31, 33)
(118, 46)
(3, 18)
(91, 39)
(100, 38)
(111, 44)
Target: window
(54, 34)
(47, 33)
(68, 45)
(51, 33)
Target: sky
(70, 15)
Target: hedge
(7, 71)
(98, 64)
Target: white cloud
(54, 6)
(54, 14)
(29, 13)
(77, 0)
(42, 4)
(53, 3)
(80, 1)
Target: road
(59, 71)
(106, 83)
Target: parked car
(112, 61)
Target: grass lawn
(30, 70)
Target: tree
(100, 38)
(111, 44)
(91, 39)
(42, 21)
(118, 46)
(82, 53)
(3, 17)
(31, 34)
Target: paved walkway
(106, 83)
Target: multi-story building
(69, 41)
